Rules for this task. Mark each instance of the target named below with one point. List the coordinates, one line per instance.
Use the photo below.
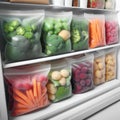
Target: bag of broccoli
(79, 33)
(22, 31)
(59, 85)
(56, 33)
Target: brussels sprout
(14, 23)
(28, 35)
(20, 31)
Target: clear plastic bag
(110, 63)
(112, 29)
(96, 30)
(99, 67)
(22, 31)
(28, 91)
(56, 33)
(79, 33)
(110, 4)
(59, 85)
(100, 4)
(82, 74)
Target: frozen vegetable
(22, 33)
(59, 85)
(79, 34)
(28, 88)
(110, 63)
(82, 74)
(99, 68)
(56, 33)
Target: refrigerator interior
(78, 106)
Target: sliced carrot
(21, 95)
(19, 100)
(35, 87)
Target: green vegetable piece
(75, 36)
(53, 49)
(5, 27)
(63, 93)
(20, 30)
(28, 35)
(14, 23)
(65, 26)
(11, 35)
(34, 27)
(57, 25)
(57, 31)
(54, 41)
(48, 25)
(28, 28)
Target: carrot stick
(21, 95)
(34, 87)
(20, 106)
(20, 111)
(29, 96)
(19, 100)
(32, 96)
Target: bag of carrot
(96, 30)
(28, 86)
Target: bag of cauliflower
(59, 85)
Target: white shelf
(89, 108)
(56, 57)
(56, 7)
(75, 100)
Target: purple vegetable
(88, 82)
(82, 83)
(83, 76)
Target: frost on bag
(82, 74)
(28, 91)
(79, 33)
(56, 33)
(96, 30)
(99, 67)
(112, 29)
(110, 63)
(22, 31)
(59, 85)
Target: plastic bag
(96, 30)
(22, 31)
(110, 4)
(27, 87)
(112, 29)
(100, 4)
(79, 33)
(56, 33)
(82, 74)
(59, 85)
(99, 68)
(110, 63)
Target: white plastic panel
(82, 111)
(57, 108)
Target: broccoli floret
(6, 26)
(20, 31)
(14, 23)
(75, 36)
(28, 28)
(28, 35)
(34, 27)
